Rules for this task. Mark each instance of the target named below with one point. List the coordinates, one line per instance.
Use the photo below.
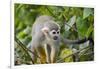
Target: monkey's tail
(78, 41)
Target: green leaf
(65, 52)
(70, 23)
(27, 30)
(82, 26)
(89, 31)
(87, 12)
(21, 35)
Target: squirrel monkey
(45, 39)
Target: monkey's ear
(45, 29)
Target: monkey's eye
(54, 32)
(58, 32)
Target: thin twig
(25, 49)
(87, 53)
(50, 12)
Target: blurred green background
(75, 23)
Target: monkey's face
(55, 34)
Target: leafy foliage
(75, 23)
(66, 52)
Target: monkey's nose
(55, 37)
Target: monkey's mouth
(55, 37)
